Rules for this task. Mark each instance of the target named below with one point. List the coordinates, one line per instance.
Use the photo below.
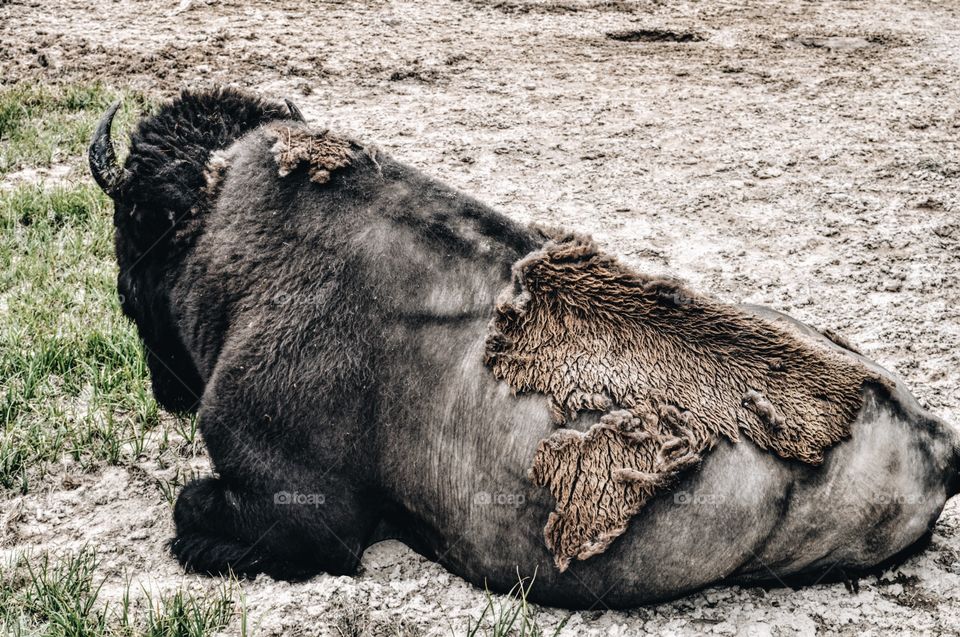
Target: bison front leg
(296, 491)
(222, 528)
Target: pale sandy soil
(803, 155)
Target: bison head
(160, 198)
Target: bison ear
(294, 111)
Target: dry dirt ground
(802, 155)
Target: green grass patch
(74, 379)
(45, 125)
(65, 598)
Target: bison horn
(295, 112)
(103, 160)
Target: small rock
(769, 172)
(184, 6)
(892, 286)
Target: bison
(372, 354)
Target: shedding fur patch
(321, 152)
(602, 478)
(590, 333)
(215, 172)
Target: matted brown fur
(320, 151)
(585, 330)
(621, 462)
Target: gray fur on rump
(329, 326)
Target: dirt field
(802, 155)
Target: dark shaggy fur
(169, 152)
(159, 211)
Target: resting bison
(373, 354)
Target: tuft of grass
(170, 487)
(45, 125)
(184, 615)
(510, 615)
(64, 599)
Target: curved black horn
(103, 160)
(295, 112)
